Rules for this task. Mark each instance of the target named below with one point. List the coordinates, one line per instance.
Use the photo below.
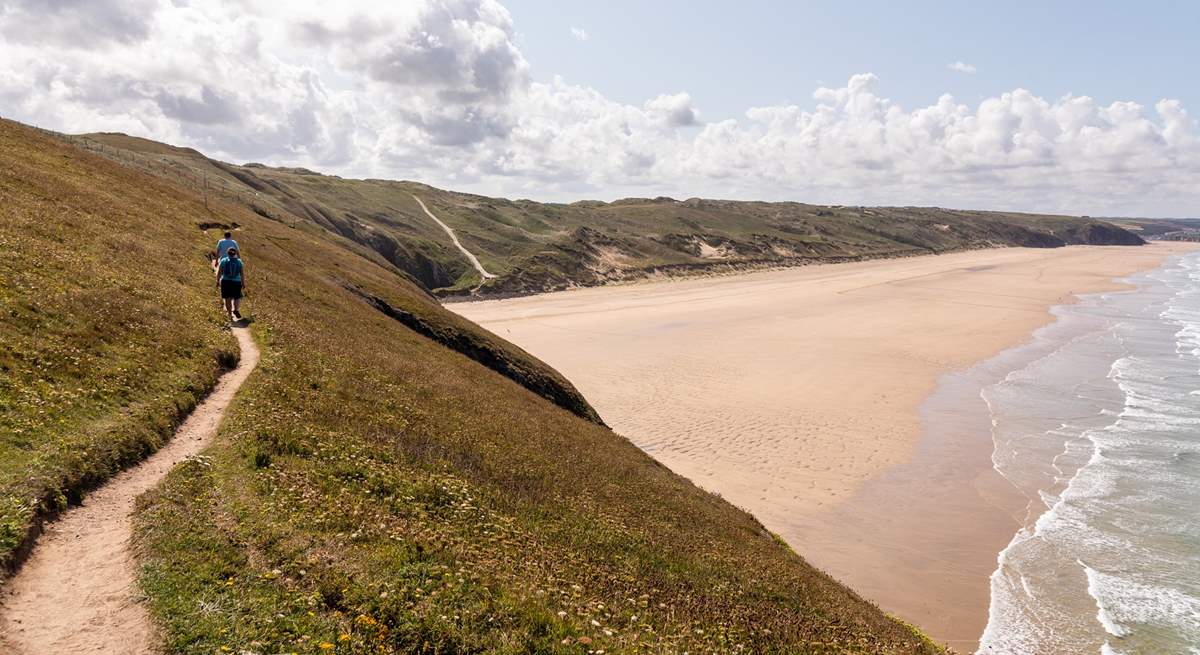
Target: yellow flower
(344, 637)
(325, 645)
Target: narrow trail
(77, 593)
(453, 237)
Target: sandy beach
(800, 395)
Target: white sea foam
(1093, 587)
(1122, 601)
(1121, 487)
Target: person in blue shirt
(223, 247)
(231, 278)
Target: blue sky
(1068, 107)
(730, 56)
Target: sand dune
(784, 391)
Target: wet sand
(800, 395)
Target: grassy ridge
(536, 247)
(372, 490)
(100, 356)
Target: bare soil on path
(454, 237)
(77, 593)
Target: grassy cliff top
(535, 247)
(392, 478)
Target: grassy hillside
(390, 479)
(539, 246)
(1169, 229)
(107, 329)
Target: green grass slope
(107, 334)
(1166, 229)
(536, 247)
(376, 487)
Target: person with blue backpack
(231, 278)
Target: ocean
(1096, 421)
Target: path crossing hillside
(453, 237)
(77, 593)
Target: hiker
(223, 247)
(231, 278)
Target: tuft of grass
(919, 633)
(379, 489)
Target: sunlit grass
(374, 491)
(104, 341)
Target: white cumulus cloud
(440, 92)
(579, 33)
(674, 110)
(961, 67)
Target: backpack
(231, 269)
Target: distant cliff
(534, 247)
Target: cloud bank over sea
(441, 92)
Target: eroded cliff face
(1099, 233)
(505, 359)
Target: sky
(765, 53)
(1072, 107)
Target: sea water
(1097, 422)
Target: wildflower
(325, 645)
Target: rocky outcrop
(1099, 233)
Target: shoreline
(922, 538)
(667, 273)
(948, 497)
(799, 395)
(1089, 419)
